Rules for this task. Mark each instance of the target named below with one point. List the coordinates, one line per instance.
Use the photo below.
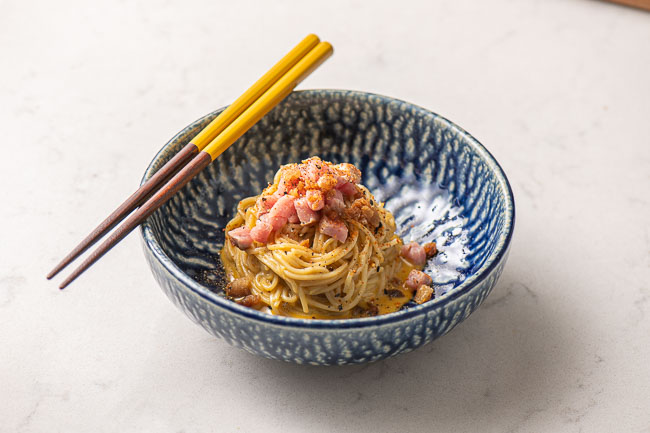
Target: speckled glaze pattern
(440, 183)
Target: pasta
(316, 244)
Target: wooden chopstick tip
(62, 264)
(68, 280)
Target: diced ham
(414, 253)
(310, 172)
(261, 231)
(334, 228)
(293, 216)
(423, 294)
(283, 207)
(308, 191)
(348, 189)
(266, 202)
(417, 278)
(279, 213)
(282, 188)
(241, 237)
(315, 199)
(305, 214)
(334, 201)
(314, 169)
(276, 221)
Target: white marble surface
(559, 91)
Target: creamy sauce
(387, 304)
(387, 301)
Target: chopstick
(197, 144)
(641, 4)
(269, 99)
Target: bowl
(440, 183)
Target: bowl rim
(495, 258)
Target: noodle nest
(301, 272)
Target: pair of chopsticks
(204, 148)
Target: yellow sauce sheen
(384, 303)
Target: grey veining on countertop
(558, 91)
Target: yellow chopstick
(226, 117)
(280, 90)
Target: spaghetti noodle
(316, 244)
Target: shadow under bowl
(440, 183)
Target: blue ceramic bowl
(439, 182)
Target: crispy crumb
(423, 294)
(430, 249)
(238, 288)
(249, 301)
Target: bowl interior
(440, 183)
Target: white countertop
(558, 91)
